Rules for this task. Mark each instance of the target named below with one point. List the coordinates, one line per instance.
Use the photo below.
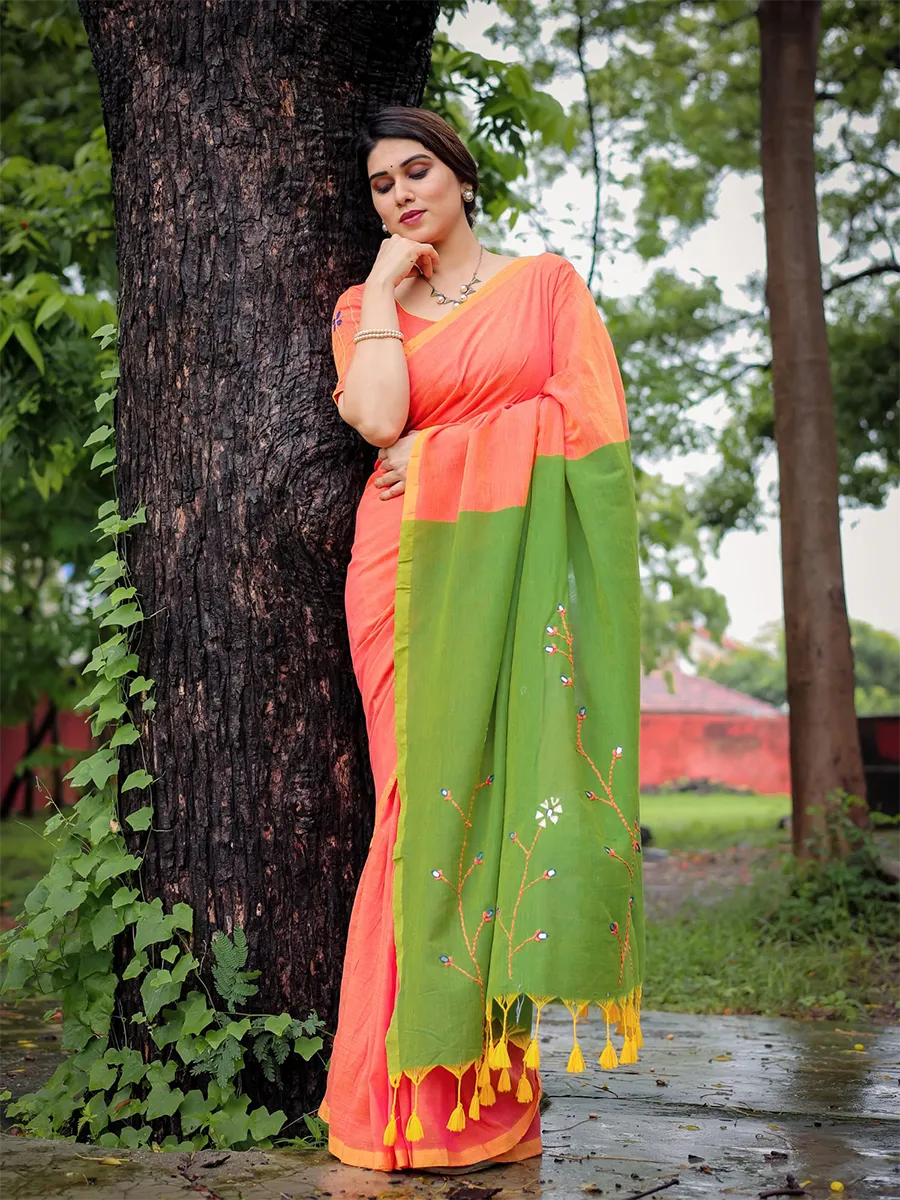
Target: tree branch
(868, 272)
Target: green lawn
(684, 821)
(25, 856)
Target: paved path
(728, 1106)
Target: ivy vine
(63, 943)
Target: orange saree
(479, 380)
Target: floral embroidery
(606, 797)
(336, 320)
(549, 809)
(487, 915)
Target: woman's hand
(393, 461)
(398, 257)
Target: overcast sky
(731, 248)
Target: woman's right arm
(375, 394)
(375, 400)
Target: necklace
(465, 288)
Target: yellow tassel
(484, 1071)
(638, 1036)
(475, 1107)
(487, 1095)
(503, 1084)
(414, 1131)
(629, 1052)
(457, 1119)
(609, 1059)
(390, 1130)
(613, 1012)
(583, 1011)
(533, 1053)
(576, 1059)
(524, 1092)
(501, 1049)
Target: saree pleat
(518, 514)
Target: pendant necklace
(465, 288)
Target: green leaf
(197, 1014)
(23, 335)
(124, 895)
(163, 1101)
(183, 916)
(62, 900)
(107, 454)
(122, 593)
(110, 709)
(153, 925)
(194, 1111)
(306, 1047)
(125, 735)
(50, 308)
(125, 664)
(279, 1024)
(140, 684)
(133, 1067)
(97, 768)
(117, 865)
(136, 965)
(125, 615)
(138, 779)
(102, 1076)
(158, 989)
(142, 818)
(264, 1124)
(105, 925)
(100, 434)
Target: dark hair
(420, 125)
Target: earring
(384, 227)
(468, 195)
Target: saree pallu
(493, 612)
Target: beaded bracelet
(377, 333)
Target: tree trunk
(825, 752)
(239, 219)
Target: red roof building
(706, 731)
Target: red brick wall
(749, 752)
(74, 732)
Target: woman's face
(405, 178)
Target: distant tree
(759, 669)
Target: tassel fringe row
(623, 1013)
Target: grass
(685, 821)
(771, 950)
(25, 856)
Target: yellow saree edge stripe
(624, 1010)
(418, 340)
(507, 1147)
(401, 692)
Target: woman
(492, 602)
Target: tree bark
(239, 219)
(825, 751)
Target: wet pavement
(717, 1106)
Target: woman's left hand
(393, 461)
